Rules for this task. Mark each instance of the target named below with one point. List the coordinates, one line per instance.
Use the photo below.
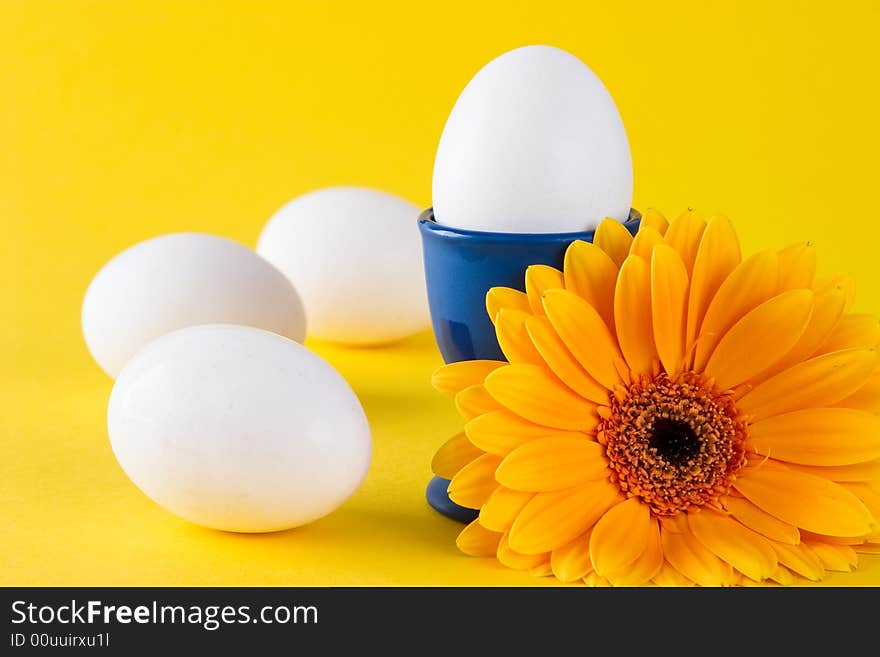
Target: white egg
(179, 280)
(534, 144)
(238, 429)
(355, 257)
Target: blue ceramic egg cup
(460, 267)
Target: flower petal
(475, 482)
(644, 242)
(591, 274)
(539, 279)
(506, 297)
(841, 558)
(646, 565)
(477, 541)
(853, 332)
(760, 338)
(552, 464)
(717, 256)
(828, 308)
(455, 377)
(510, 329)
(670, 577)
(818, 436)
(614, 239)
(690, 558)
(820, 381)
(652, 218)
(453, 455)
(501, 432)
(753, 282)
(669, 292)
(550, 520)
(805, 501)
(746, 550)
(801, 559)
(684, 234)
(866, 398)
(587, 337)
(854, 542)
(782, 576)
(502, 508)
(843, 281)
(761, 521)
(536, 395)
(869, 496)
(620, 536)
(868, 471)
(676, 524)
(560, 361)
(513, 559)
(571, 561)
(543, 569)
(797, 266)
(596, 581)
(474, 401)
(632, 315)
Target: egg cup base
(438, 498)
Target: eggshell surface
(355, 257)
(179, 280)
(534, 144)
(238, 429)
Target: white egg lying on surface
(355, 257)
(238, 429)
(534, 144)
(179, 280)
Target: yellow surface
(123, 120)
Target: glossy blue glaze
(460, 267)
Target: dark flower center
(675, 441)
(677, 444)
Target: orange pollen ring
(675, 443)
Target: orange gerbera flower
(670, 413)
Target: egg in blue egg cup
(460, 267)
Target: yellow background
(123, 120)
